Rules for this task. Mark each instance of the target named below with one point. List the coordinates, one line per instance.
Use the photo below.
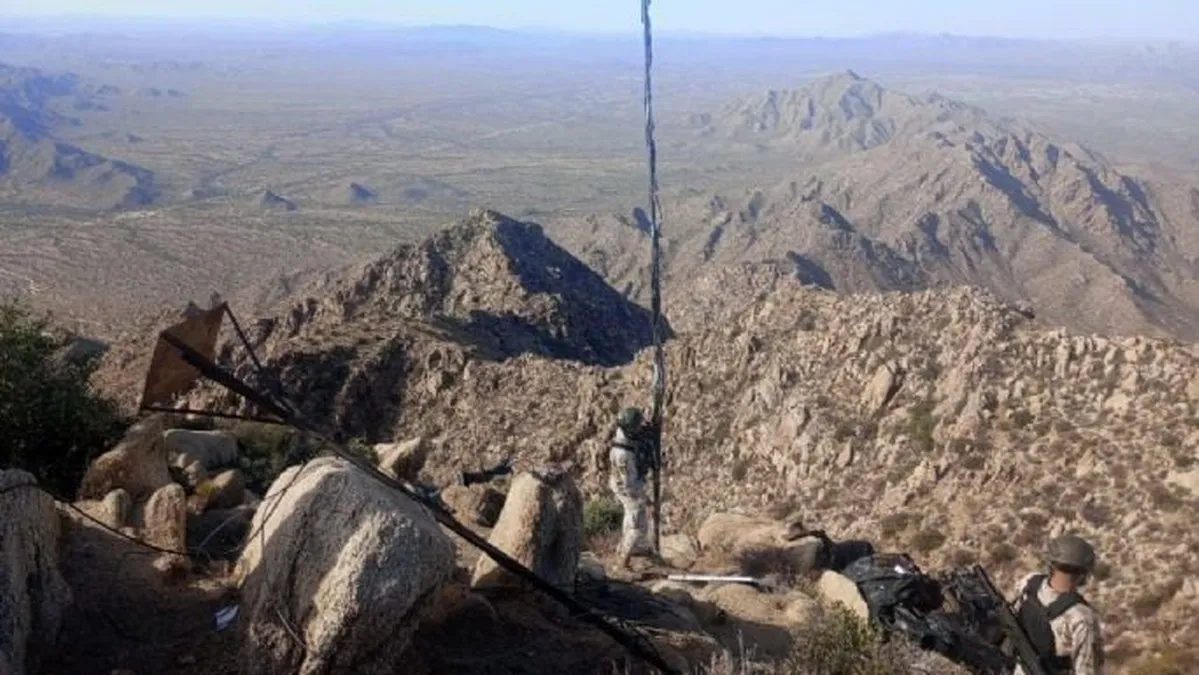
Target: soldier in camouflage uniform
(628, 463)
(1061, 625)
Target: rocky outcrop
(138, 464)
(225, 490)
(761, 546)
(212, 449)
(477, 504)
(372, 562)
(33, 594)
(837, 589)
(541, 526)
(403, 460)
(165, 526)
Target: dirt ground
(126, 619)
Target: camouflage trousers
(629, 489)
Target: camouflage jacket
(1076, 632)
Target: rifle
(487, 475)
(1012, 628)
(944, 633)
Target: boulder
(747, 603)
(138, 464)
(478, 504)
(114, 510)
(219, 533)
(800, 609)
(457, 601)
(213, 449)
(403, 461)
(225, 490)
(1187, 480)
(192, 470)
(759, 617)
(837, 588)
(761, 546)
(882, 387)
(33, 594)
(373, 562)
(590, 567)
(541, 526)
(117, 506)
(675, 591)
(680, 551)
(165, 526)
(165, 518)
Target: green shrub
(920, 425)
(52, 421)
(838, 642)
(266, 450)
(601, 516)
(928, 540)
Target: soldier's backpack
(1036, 618)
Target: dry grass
(835, 642)
(1150, 602)
(775, 561)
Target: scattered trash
(226, 616)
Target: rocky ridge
(944, 423)
(879, 190)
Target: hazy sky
(1130, 19)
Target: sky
(1102, 19)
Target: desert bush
(1147, 604)
(1163, 498)
(845, 429)
(1095, 514)
(740, 469)
(783, 508)
(894, 523)
(1171, 660)
(266, 450)
(920, 424)
(962, 557)
(1034, 519)
(930, 371)
(51, 419)
(928, 540)
(837, 642)
(834, 642)
(1002, 553)
(363, 450)
(761, 561)
(974, 462)
(1022, 418)
(602, 515)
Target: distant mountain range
(37, 168)
(890, 191)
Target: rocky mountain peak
(841, 112)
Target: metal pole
(659, 382)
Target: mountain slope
(35, 168)
(942, 423)
(489, 288)
(895, 192)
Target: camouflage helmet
(1072, 551)
(630, 418)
